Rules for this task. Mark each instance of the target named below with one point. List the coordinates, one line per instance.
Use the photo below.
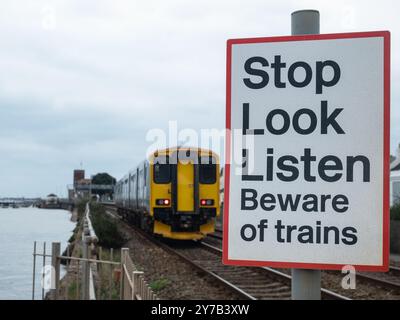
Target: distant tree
(392, 158)
(103, 178)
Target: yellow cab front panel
(184, 192)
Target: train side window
(207, 170)
(145, 174)
(162, 173)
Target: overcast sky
(86, 80)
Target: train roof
(165, 151)
(174, 149)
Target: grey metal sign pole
(306, 284)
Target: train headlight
(163, 202)
(206, 202)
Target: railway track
(217, 234)
(251, 283)
(280, 277)
(388, 280)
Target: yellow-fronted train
(174, 193)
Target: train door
(141, 186)
(129, 191)
(186, 182)
(136, 189)
(125, 195)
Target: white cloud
(85, 80)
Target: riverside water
(19, 228)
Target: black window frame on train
(164, 163)
(144, 174)
(206, 164)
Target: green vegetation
(72, 238)
(105, 227)
(109, 286)
(81, 206)
(159, 284)
(109, 276)
(73, 292)
(80, 253)
(395, 212)
(109, 293)
(109, 237)
(103, 178)
(106, 254)
(74, 234)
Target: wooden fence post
(124, 255)
(55, 263)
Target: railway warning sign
(306, 183)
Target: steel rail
(201, 269)
(283, 276)
(269, 271)
(376, 280)
(379, 281)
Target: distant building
(395, 178)
(51, 199)
(84, 188)
(71, 193)
(84, 182)
(81, 186)
(78, 175)
(395, 164)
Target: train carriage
(174, 193)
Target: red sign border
(386, 150)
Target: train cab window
(162, 171)
(207, 170)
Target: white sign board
(307, 183)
